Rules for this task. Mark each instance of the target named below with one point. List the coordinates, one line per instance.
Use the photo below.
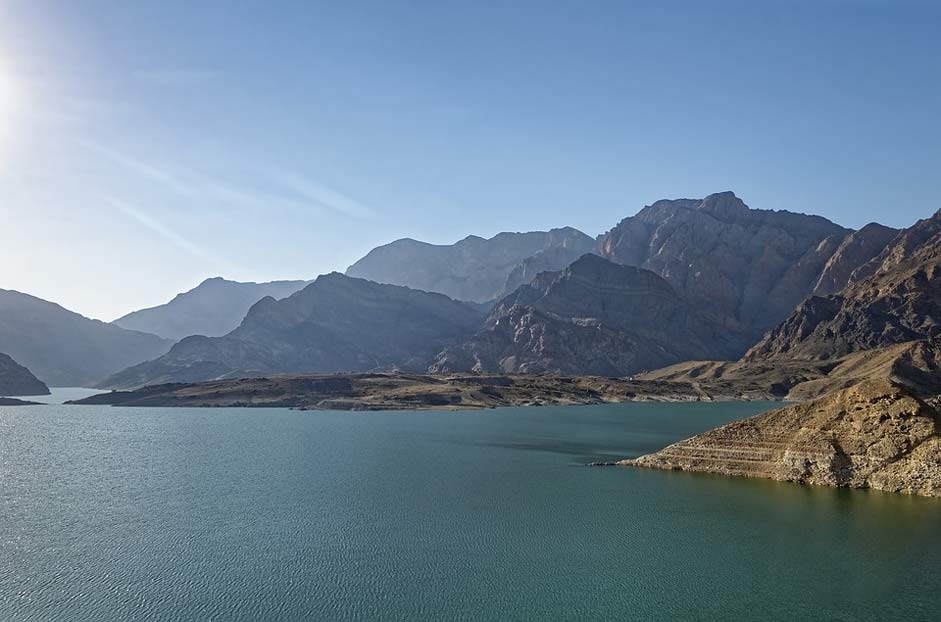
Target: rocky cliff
(855, 251)
(876, 434)
(17, 380)
(336, 323)
(213, 308)
(594, 317)
(473, 269)
(893, 298)
(65, 349)
(746, 268)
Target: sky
(146, 146)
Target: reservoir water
(256, 515)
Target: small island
(397, 391)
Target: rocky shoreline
(876, 434)
(877, 426)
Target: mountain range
(473, 269)
(684, 279)
(65, 349)
(213, 308)
(337, 323)
(594, 317)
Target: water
(236, 514)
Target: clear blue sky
(147, 145)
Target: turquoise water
(235, 514)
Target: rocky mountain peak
(724, 206)
(747, 268)
(212, 308)
(594, 316)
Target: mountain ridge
(593, 317)
(64, 348)
(212, 308)
(893, 298)
(337, 323)
(473, 269)
(16, 380)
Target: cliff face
(876, 434)
(17, 380)
(213, 308)
(473, 269)
(593, 317)
(65, 349)
(336, 323)
(746, 268)
(899, 301)
(856, 249)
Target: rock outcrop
(876, 434)
(65, 349)
(746, 268)
(473, 269)
(899, 301)
(337, 323)
(17, 380)
(212, 309)
(594, 317)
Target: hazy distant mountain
(899, 300)
(213, 308)
(17, 380)
(594, 317)
(337, 323)
(473, 269)
(63, 348)
(747, 268)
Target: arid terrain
(419, 391)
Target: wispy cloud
(150, 223)
(322, 196)
(145, 169)
(280, 190)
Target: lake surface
(255, 515)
